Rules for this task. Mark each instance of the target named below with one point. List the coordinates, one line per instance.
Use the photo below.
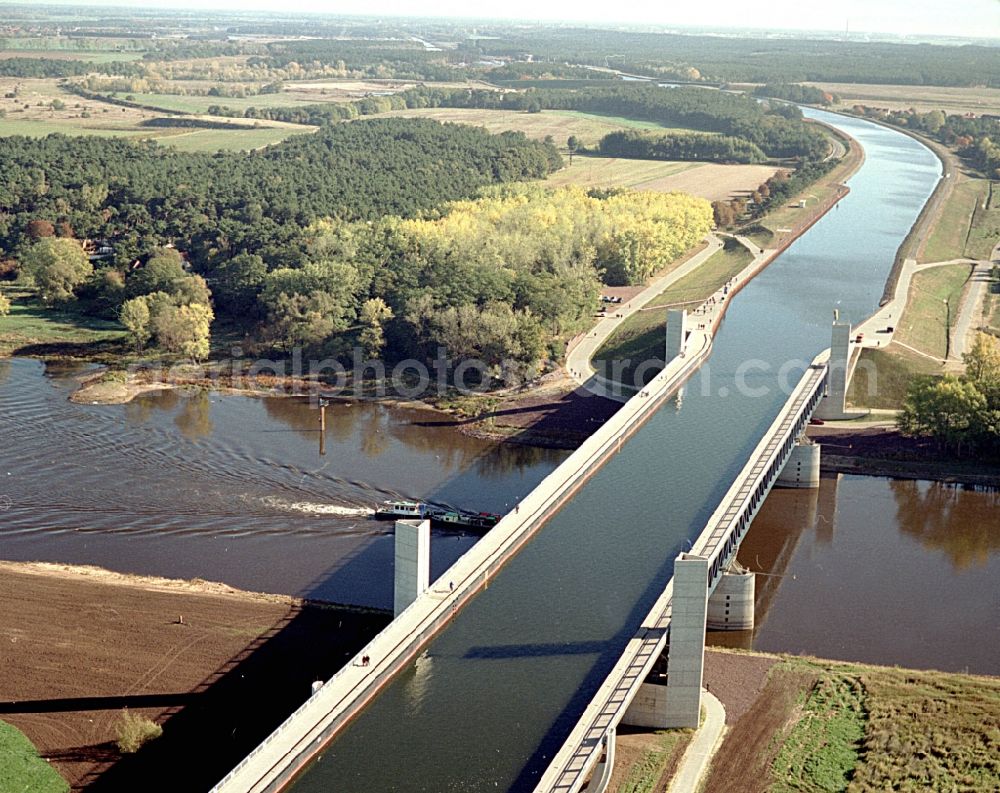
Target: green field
(21, 769)
(640, 337)
(200, 104)
(232, 139)
(588, 128)
(924, 319)
(39, 129)
(184, 139)
(93, 56)
(30, 324)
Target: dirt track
(742, 762)
(77, 648)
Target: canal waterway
(492, 699)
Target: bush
(134, 730)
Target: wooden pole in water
(322, 426)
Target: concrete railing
(274, 762)
(568, 771)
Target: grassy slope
(839, 726)
(947, 240)
(646, 773)
(882, 377)
(985, 231)
(21, 769)
(821, 750)
(640, 337)
(30, 323)
(923, 322)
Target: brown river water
(234, 488)
(886, 571)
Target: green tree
(184, 329)
(374, 313)
(573, 145)
(947, 409)
(982, 362)
(57, 266)
(134, 315)
(237, 281)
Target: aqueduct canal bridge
(520, 676)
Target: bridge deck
(568, 771)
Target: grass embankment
(34, 329)
(827, 726)
(924, 324)
(653, 767)
(953, 228)
(882, 377)
(640, 338)
(21, 769)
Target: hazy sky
(955, 18)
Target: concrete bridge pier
(731, 605)
(678, 703)
(834, 404)
(412, 570)
(802, 467)
(676, 332)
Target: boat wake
(313, 508)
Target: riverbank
(811, 723)
(214, 666)
(884, 451)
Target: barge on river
(440, 517)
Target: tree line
(793, 92)
(777, 131)
(974, 137)
(647, 145)
(64, 67)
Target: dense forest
(744, 59)
(347, 238)
(137, 192)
